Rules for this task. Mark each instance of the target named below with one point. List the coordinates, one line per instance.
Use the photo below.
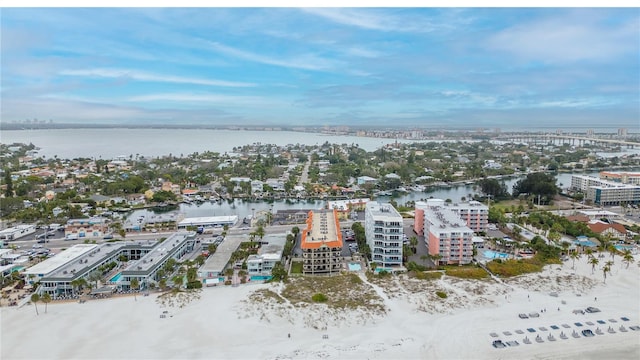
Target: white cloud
(305, 62)
(218, 99)
(145, 76)
(374, 21)
(562, 39)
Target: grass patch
(344, 291)
(512, 267)
(266, 294)
(296, 267)
(466, 272)
(319, 297)
(425, 275)
(441, 294)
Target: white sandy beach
(224, 324)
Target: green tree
(260, 232)
(34, 299)
(212, 249)
(134, 285)
(46, 299)
(594, 262)
(278, 272)
(574, 256)
(627, 257)
(178, 280)
(606, 269)
(537, 184)
(8, 192)
(95, 276)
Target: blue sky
(480, 67)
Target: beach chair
(575, 334)
(539, 339)
(563, 336)
(610, 330)
(599, 331)
(622, 328)
(551, 338)
(526, 340)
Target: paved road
(304, 177)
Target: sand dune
(248, 322)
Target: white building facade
(384, 233)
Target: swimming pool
(494, 255)
(624, 247)
(354, 267)
(260, 278)
(17, 269)
(379, 269)
(116, 277)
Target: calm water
(243, 208)
(110, 143)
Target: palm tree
(34, 299)
(414, 242)
(162, 284)
(134, 285)
(627, 257)
(612, 251)
(589, 252)
(605, 270)
(594, 262)
(178, 280)
(46, 299)
(574, 256)
(229, 273)
(95, 275)
(260, 232)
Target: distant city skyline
(432, 67)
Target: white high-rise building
(384, 232)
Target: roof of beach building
(323, 228)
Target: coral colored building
(445, 233)
(473, 213)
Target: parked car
(592, 309)
(523, 316)
(534, 314)
(108, 237)
(578, 311)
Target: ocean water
(109, 143)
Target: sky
(392, 67)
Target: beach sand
(229, 323)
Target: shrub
(511, 267)
(227, 282)
(466, 272)
(421, 275)
(441, 294)
(194, 284)
(412, 266)
(319, 297)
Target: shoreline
(230, 323)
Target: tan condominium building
(322, 243)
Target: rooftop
(208, 220)
(216, 263)
(164, 249)
(383, 211)
(63, 258)
(323, 228)
(445, 220)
